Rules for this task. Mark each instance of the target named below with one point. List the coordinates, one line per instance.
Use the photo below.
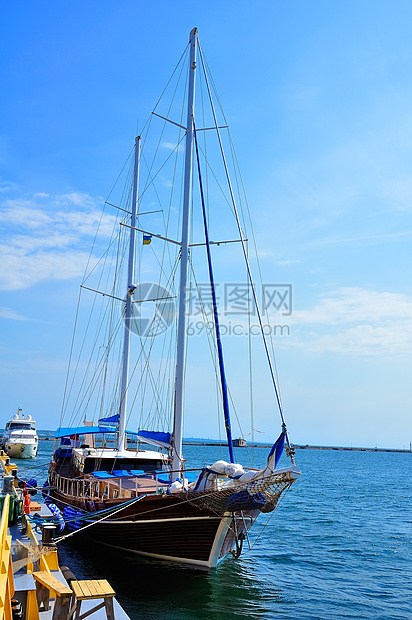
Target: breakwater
(295, 446)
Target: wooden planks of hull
(188, 539)
(164, 526)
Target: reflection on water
(150, 589)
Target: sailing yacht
(133, 489)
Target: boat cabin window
(88, 464)
(19, 426)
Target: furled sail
(157, 438)
(113, 419)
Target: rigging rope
(247, 263)
(215, 314)
(134, 501)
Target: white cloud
(347, 320)
(7, 187)
(349, 305)
(170, 146)
(354, 320)
(26, 270)
(336, 240)
(75, 198)
(23, 213)
(48, 243)
(9, 313)
(24, 244)
(86, 222)
(287, 263)
(366, 340)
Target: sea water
(338, 546)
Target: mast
(121, 440)
(184, 259)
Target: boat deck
(143, 485)
(24, 582)
(24, 551)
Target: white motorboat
(20, 439)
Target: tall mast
(184, 259)
(121, 440)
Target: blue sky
(318, 96)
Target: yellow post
(32, 610)
(6, 568)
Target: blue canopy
(67, 431)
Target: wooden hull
(168, 527)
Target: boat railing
(105, 441)
(92, 489)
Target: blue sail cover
(156, 438)
(67, 431)
(277, 448)
(113, 419)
